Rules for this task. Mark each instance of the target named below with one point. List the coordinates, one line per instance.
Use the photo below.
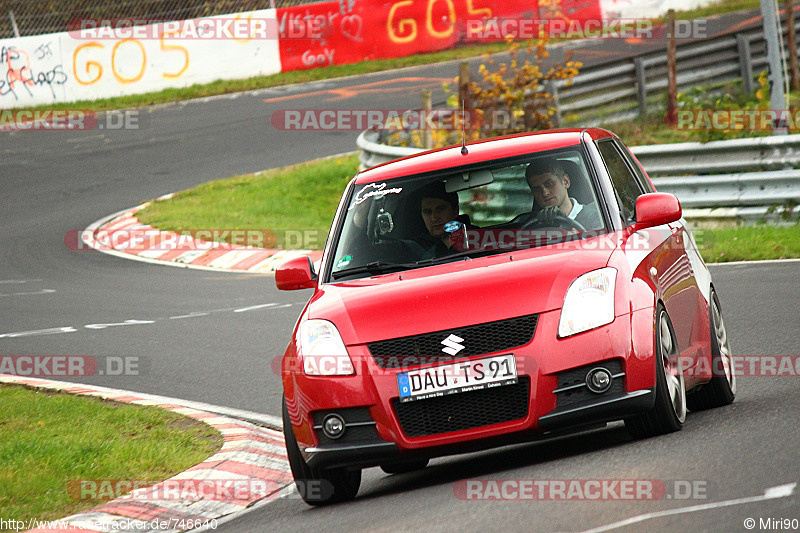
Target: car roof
(479, 152)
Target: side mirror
(297, 273)
(656, 208)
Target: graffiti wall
(86, 64)
(32, 70)
(355, 30)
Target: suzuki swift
(492, 293)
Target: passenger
(549, 183)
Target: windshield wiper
(497, 248)
(375, 267)
(449, 257)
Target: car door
(662, 253)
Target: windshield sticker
(378, 190)
(344, 261)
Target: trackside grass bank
(295, 203)
(293, 200)
(50, 441)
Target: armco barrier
(622, 89)
(736, 155)
(734, 190)
(740, 189)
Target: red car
(481, 295)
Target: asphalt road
(729, 453)
(212, 336)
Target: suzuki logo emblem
(452, 345)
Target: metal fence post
(774, 38)
(427, 106)
(13, 22)
(641, 86)
(552, 89)
(745, 63)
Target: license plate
(458, 377)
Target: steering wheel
(561, 220)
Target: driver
(438, 207)
(549, 184)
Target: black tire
(404, 468)
(669, 411)
(721, 390)
(317, 486)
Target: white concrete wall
(67, 67)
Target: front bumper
(559, 422)
(544, 361)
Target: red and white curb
(123, 235)
(251, 454)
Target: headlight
(322, 350)
(589, 302)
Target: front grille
(480, 339)
(467, 410)
(582, 394)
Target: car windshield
(417, 221)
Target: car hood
(451, 295)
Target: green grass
(716, 8)
(49, 439)
(298, 198)
(653, 130)
(749, 243)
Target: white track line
(758, 262)
(781, 491)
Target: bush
(509, 98)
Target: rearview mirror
(468, 180)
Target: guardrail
(734, 190)
(752, 193)
(735, 155)
(372, 153)
(623, 89)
